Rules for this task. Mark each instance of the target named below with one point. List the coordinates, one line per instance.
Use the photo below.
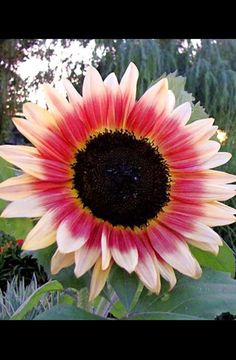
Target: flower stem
(105, 305)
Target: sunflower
(115, 180)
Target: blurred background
(209, 66)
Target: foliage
(34, 299)
(191, 299)
(14, 227)
(67, 312)
(15, 263)
(224, 261)
(17, 293)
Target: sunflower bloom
(115, 180)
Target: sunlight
(32, 66)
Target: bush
(14, 262)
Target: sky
(30, 67)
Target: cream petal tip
(132, 66)
(198, 272)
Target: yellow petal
(74, 97)
(27, 207)
(170, 102)
(220, 177)
(126, 259)
(57, 103)
(60, 261)
(106, 254)
(156, 96)
(43, 234)
(148, 273)
(216, 214)
(98, 280)
(166, 272)
(16, 187)
(38, 115)
(67, 241)
(217, 160)
(211, 247)
(85, 258)
(24, 157)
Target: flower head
(119, 180)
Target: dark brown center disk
(122, 179)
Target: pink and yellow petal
(95, 104)
(115, 103)
(106, 253)
(123, 249)
(49, 143)
(74, 231)
(148, 109)
(166, 271)
(88, 254)
(174, 250)
(70, 122)
(195, 133)
(146, 268)
(210, 247)
(128, 86)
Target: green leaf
(6, 170)
(125, 285)
(191, 299)
(67, 312)
(118, 310)
(224, 261)
(177, 85)
(198, 112)
(66, 276)
(33, 300)
(18, 227)
(67, 299)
